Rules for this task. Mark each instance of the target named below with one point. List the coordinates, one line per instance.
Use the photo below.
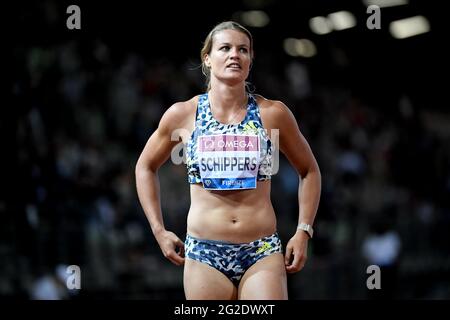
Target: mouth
(234, 65)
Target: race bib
(228, 162)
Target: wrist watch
(307, 228)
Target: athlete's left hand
(296, 252)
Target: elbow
(315, 168)
(138, 167)
(142, 168)
(319, 177)
(312, 170)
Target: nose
(234, 53)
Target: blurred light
(255, 18)
(299, 47)
(320, 25)
(385, 3)
(342, 20)
(409, 27)
(289, 46)
(32, 215)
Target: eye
(243, 50)
(225, 48)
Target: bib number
(228, 162)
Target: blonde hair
(207, 45)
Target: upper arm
(292, 143)
(160, 144)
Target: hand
(296, 252)
(169, 242)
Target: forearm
(309, 196)
(148, 189)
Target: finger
(182, 251)
(179, 261)
(180, 245)
(175, 258)
(287, 256)
(292, 269)
(301, 263)
(295, 265)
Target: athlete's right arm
(155, 153)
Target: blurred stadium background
(84, 102)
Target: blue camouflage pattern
(206, 124)
(232, 259)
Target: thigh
(265, 280)
(203, 282)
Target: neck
(227, 98)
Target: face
(230, 56)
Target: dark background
(84, 102)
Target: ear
(207, 61)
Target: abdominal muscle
(234, 215)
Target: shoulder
(273, 106)
(179, 114)
(180, 110)
(274, 113)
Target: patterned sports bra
(228, 156)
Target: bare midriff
(236, 216)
